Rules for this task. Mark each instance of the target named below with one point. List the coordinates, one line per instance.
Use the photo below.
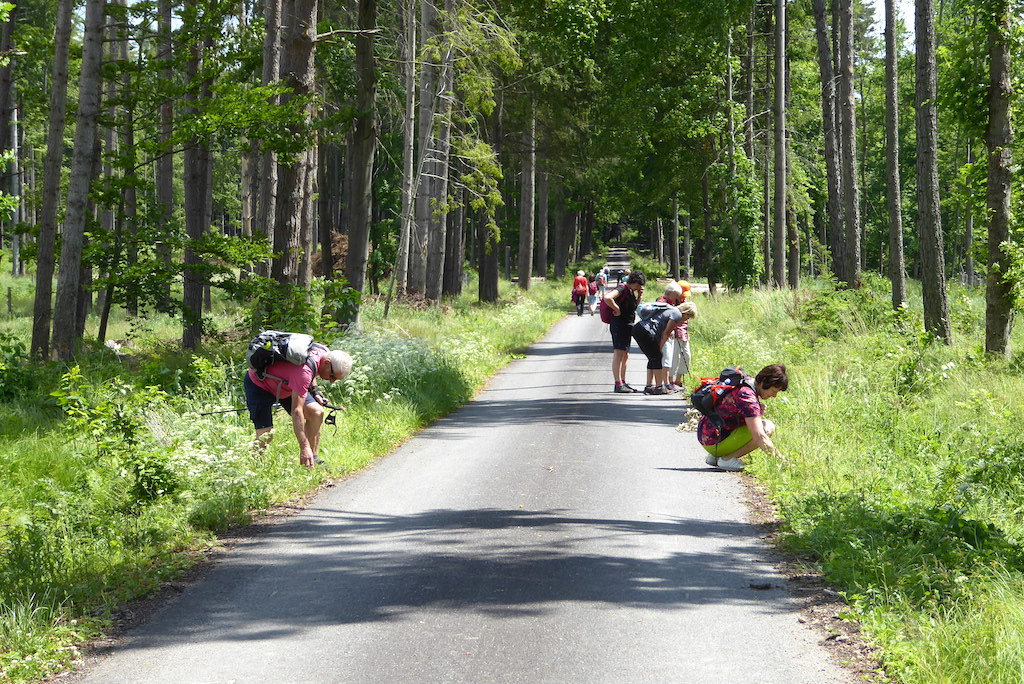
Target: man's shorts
(260, 403)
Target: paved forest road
(551, 531)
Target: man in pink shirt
(288, 384)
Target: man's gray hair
(341, 363)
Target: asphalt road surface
(550, 531)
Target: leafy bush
(15, 376)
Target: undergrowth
(903, 470)
(120, 469)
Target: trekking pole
(231, 410)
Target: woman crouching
(743, 428)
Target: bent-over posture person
(287, 383)
(743, 428)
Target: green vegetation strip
(904, 468)
(113, 483)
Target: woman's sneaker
(711, 460)
(731, 464)
(623, 389)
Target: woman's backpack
(710, 392)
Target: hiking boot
(629, 388)
(733, 464)
(711, 460)
(655, 390)
(623, 389)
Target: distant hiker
(579, 291)
(651, 335)
(285, 381)
(602, 282)
(622, 303)
(740, 413)
(592, 295)
(676, 354)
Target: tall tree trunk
(426, 168)
(527, 201)
(687, 247)
(781, 183)
(561, 246)
(674, 248)
(793, 229)
(196, 184)
(848, 167)
(266, 202)
(364, 142)
(439, 185)
(892, 161)
(42, 306)
(748, 122)
(131, 207)
(972, 278)
(408, 18)
(929, 223)
(69, 277)
(833, 203)
(6, 78)
(165, 162)
(999, 142)
(542, 223)
(298, 39)
(455, 247)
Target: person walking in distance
(623, 301)
(579, 291)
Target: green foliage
(16, 378)
(283, 306)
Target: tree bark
(781, 183)
(69, 278)
(542, 223)
(439, 182)
(364, 142)
(687, 247)
(7, 106)
(197, 168)
(848, 167)
(929, 224)
(45, 248)
(298, 19)
(892, 161)
(999, 143)
(408, 18)
(833, 203)
(266, 201)
(674, 249)
(426, 168)
(527, 200)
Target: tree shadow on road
(326, 568)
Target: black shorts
(260, 403)
(622, 335)
(649, 346)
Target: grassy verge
(113, 480)
(904, 470)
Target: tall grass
(114, 480)
(904, 467)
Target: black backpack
(272, 346)
(711, 391)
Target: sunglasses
(333, 375)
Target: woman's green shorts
(736, 439)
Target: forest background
(182, 173)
